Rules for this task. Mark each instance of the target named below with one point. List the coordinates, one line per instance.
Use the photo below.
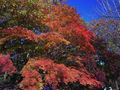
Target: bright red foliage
(55, 73)
(20, 32)
(28, 34)
(65, 21)
(6, 65)
(31, 80)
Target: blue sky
(86, 8)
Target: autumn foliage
(28, 34)
(64, 54)
(54, 74)
(64, 20)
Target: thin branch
(116, 8)
(109, 8)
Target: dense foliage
(51, 45)
(108, 48)
(48, 46)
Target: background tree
(109, 8)
(107, 48)
(109, 31)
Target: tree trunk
(116, 84)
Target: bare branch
(109, 8)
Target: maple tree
(60, 55)
(65, 21)
(19, 32)
(53, 74)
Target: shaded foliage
(107, 48)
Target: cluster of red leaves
(31, 80)
(28, 34)
(6, 65)
(20, 32)
(57, 73)
(61, 15)
(65, 21)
